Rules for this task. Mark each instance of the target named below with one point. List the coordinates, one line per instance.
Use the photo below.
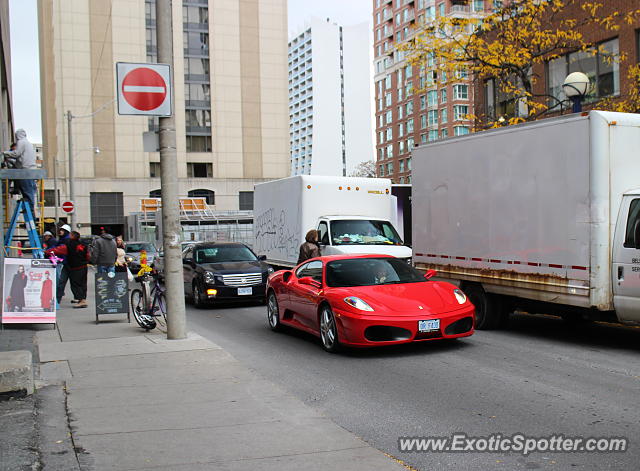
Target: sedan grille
(242, 279)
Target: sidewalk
(138, 401)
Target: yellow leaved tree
(510, 45)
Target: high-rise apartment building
(230, 101)
(330, 98)
(415, 106)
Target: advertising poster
(29, 291)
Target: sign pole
(72, 174)
(176, 316)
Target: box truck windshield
(363, 232)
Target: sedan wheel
(328, 330)
(198, 300)
(273, 315)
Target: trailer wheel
(489, 310)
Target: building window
(198, 143)
(460, 112)
(433, 117)
(389, 151)
(246, 200)
(380, 153)
(409, 107)
(443, 116)
(409, 164)
(441, 9)
(389, 168)
(433, 135)
(423, 138)
(381, 137)
(50, 198)
(199, 170)
(461, 92)
(603, 70)
(389, 134)
(401, 166)
(400, 112)
(154, 169)
(432, 98)
(460, 130)
(445, 133)
(155, 194)
(106, 208)
(387, 99)
(381, 170)
(389, 117)
(423, 102)
(401, 147)
(208, 195)
(423, 121)
(387, 82)
(400, 130)
(443, 95)
(410, 125)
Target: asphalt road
(540, 377)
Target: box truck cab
(626, 259)
(352, 215)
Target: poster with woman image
(29, 291)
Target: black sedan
(223, 271)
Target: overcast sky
(24, 48)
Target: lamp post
(575, 87)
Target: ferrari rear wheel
(273, 314)
(328, 330)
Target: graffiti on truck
(273, 233)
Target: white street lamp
(575, 87)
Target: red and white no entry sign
(144, 89)
(68, 206)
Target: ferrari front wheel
(273, 314)
(328, 330)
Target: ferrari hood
(409, 299)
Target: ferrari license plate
(429, 326)
(245, 291)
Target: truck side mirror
(430, 274)
(262, 258)
(636, 235)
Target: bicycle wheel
(160, 309)
(139, 312)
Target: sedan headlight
(209, 278)
(460, 296)
(357, 303)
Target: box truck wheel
(489, 308)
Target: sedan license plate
(429, 326)
(245, 291)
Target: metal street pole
(72, 174)
(176, 317)
(56, 201)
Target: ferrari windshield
(363, 232)
(224, 254)
(371, 271)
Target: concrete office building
(330, 98)
(6, 109)
(230, 102)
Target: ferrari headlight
(209, 278)
(460, 296)
(357, 303)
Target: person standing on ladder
(25, 157)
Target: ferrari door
(304, 297)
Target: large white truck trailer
(543, 216)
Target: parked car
(158, 262)
(133, 251)
(223, 271)
(366, 300)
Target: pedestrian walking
(121, 261)
(104, 252)
(48, 241)
(25, 157)
(310, 248)
(76, 256)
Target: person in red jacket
(76, 257)
(46, 293)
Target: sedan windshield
(224, 254)
(371, 271)
(139, 247)
(363, 232)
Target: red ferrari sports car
(366, 300)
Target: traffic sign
(68, 207)
(144, 89)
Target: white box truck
(352, 215)
(543, 216)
